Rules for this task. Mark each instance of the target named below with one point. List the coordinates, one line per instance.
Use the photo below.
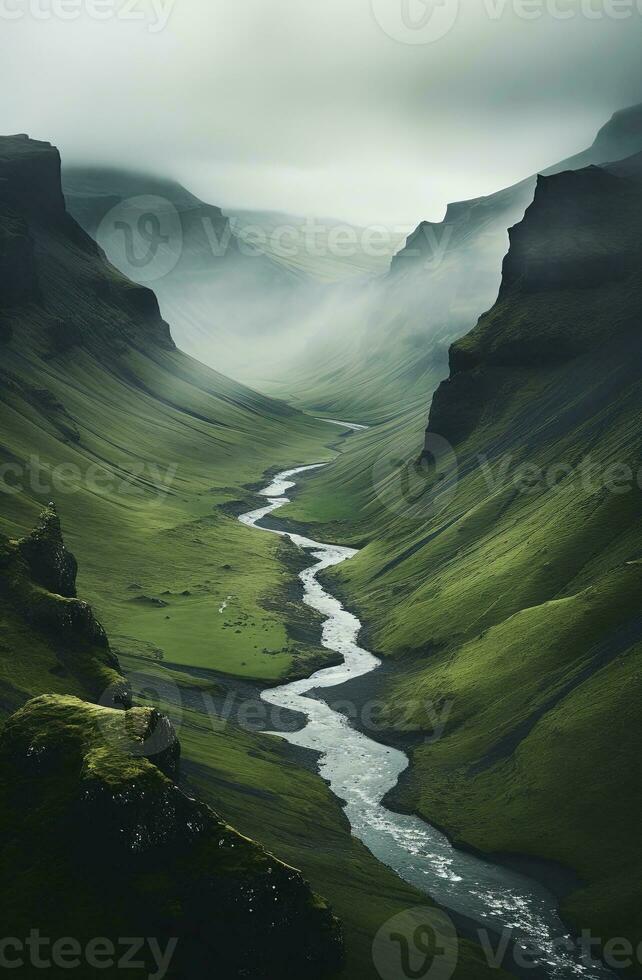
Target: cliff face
(30, 177)
(18, 279)
(453, 267)
(507, 579)
(481, 224)
(580, 233)
(571, 284)
(51, 268)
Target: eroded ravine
(361, 772)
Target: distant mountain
(445, 277)
(246, 294)
(475, 223)
(217, 293)
(324, 249)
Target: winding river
(361, 772)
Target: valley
(103, 415)
(514, 601)
(475, 586)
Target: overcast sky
(356, 109)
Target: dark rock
(52, 566)
(48, 260)
(18, 277)
(82, 792)
(150, 601)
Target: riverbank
(361, 772)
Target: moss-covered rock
(51, 565)
(38, 588)
(80, 788)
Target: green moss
(92, 788)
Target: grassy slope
(119, 396)
(522, 609)
(138, 535)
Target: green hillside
(146, 454)
(505, 581)
(139, 445)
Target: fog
(293, 306)
(373, 112)
(338, 109)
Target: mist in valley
(328, 315)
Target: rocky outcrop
(580, 233)
(51, 565)
(49, 262)
(30, 177)
(138, 857)
(571, 284)
(38, 584)
(89, 803)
